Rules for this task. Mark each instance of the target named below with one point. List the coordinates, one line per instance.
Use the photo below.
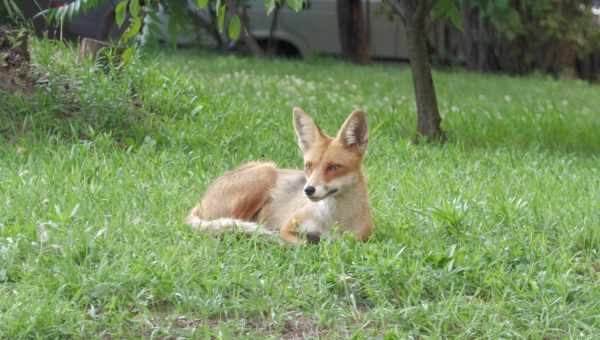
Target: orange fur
(273, 197)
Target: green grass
(494, 234)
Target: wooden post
(90, 48)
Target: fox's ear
(354, 132)
(307, 131)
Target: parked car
(91, 24)
(312, 30)
(315, 29)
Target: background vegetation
(493, 234)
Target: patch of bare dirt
(295, 326)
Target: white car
(315, 29)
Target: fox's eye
(333, 167)
(307, 165)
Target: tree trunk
(428, 117)
(414, 14)
(595, 66)
(353, 31)
(271, 48)
(248, 37)
(209, 25)
(468, 39)
(567, 59)
(482, 47)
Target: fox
(300, 206)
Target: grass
(494, 234)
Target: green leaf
(221, 9)
(120, 12)
(448, 9)
(134, 8)
(133, 29)
(127, 56)
(502, 4)
(62, 12)
(456, 19)
(269, 6)
(234, 27)
(73, 9)
(296, 5)
(8, 6)
(12, 8)
(202, 3)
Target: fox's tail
(222, 225)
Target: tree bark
(248, 37)
(271, 48)
(209, 25)
(470, 20)
(414, 14)
(482, 51)
(353, 31)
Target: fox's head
(331, 165)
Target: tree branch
(248, 37)
(397, 8)
(423, 8)
(208, 25)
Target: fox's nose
(309, 191)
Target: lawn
(494, 234)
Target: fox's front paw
(313, 238)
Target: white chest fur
(323, 217)
(326, 212)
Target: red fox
(300, 206)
